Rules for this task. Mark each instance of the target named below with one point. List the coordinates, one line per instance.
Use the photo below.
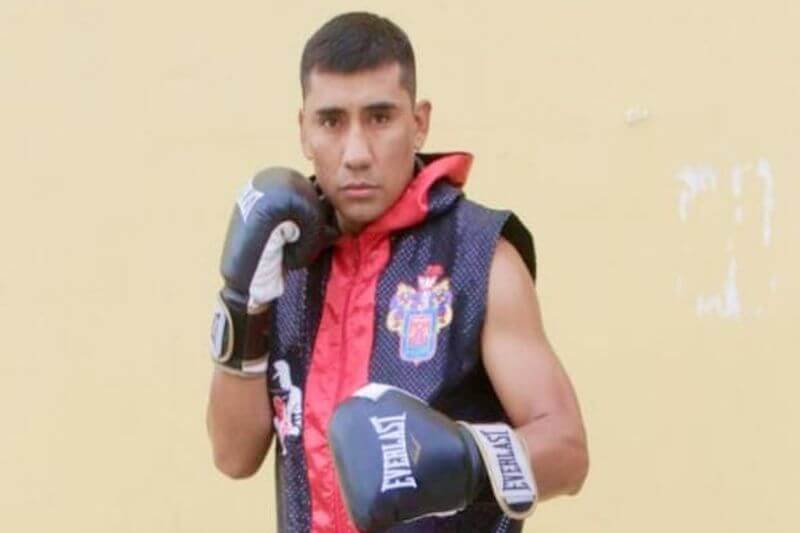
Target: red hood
(412, 206)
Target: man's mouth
(359, 190)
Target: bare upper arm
(527, 376)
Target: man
(394, 278)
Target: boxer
(402, 362)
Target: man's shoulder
(505, 225)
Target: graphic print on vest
(287, 403)
(418, 314)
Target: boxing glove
(398, 460)
(278, 223)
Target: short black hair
(357, 41)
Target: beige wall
(652, 148)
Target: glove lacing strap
(508, 467)
(237, 339)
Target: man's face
(361, 130)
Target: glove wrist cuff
(506, 463)
(238, 338)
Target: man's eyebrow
(327, 111)
(381, 106)
(371, 108)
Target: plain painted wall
(652, 148)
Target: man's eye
(380, 118)
(329, 122)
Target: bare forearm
(239, 423)
(559, 457)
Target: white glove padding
(267, 282)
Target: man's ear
(303, 138)
(422, 117)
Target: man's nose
(357, 153)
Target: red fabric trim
(343, 347)
(340, 365)
(412, 206)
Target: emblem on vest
(417, 315)
(391, 432)
(287, 403)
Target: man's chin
(354, 220)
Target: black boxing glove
(397, 460)
(278, 223)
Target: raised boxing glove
(398, 460)
(278, 223)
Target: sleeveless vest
(403, 303)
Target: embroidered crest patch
(418, 314)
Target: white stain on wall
(635, 114)
(726, 303)
(764, 172)
(695, 180)
(745, 178)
